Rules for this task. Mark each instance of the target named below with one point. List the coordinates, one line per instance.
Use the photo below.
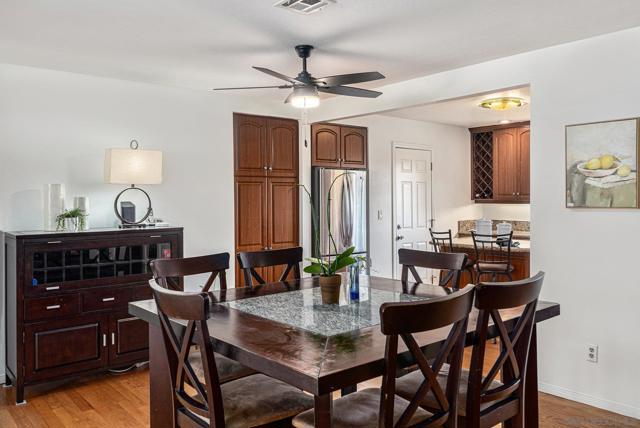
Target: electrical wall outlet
(379, 214)
(592, 353)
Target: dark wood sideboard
(67, 296)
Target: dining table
(284, 330)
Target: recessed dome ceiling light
(502, 103)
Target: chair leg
(470, 270)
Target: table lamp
(132, 166)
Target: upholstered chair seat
(258, 400)
(360, 410)
(228, 369)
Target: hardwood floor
(114, 401)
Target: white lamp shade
(127, 166)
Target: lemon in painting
(606, 161)
(593, 164)
(624, 170)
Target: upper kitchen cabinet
(336, 146)
(265, 146)
(500, 164)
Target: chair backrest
(403, 320)
(490, 298)
(165, 270)
(249, 261)
(452, 262)
(442, 241)
(201, 397)
(492, 249)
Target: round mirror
(132, 205)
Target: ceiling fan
(306, 87)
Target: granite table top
(304, 309)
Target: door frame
(409, 146)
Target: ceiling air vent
(303, 6)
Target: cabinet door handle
(104, 340)
(270, 168)
(51, 307)
(108, 299)
(113, 338)
(155, 236)
(54, 242)
(56, 287)
(264, 167)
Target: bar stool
(443, 243)
(493, 255)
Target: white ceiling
(207, 43)
(465, 111)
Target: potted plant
(73, 220)
(327, 268)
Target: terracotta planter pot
(330, 289)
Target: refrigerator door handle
(347, 212)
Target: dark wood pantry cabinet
(338, 146)
(266, 186)
(67, 297)
(500, 163)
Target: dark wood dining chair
(493, 255)
(249, 261)
(486, 401)
(381, 407)
(451, 262)
(200, 399)
(443, 243)
(166, 273)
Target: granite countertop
(467, 243)
(517, 234)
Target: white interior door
(412, 202)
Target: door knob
(399, 238)
(398, 227)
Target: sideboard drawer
(107, 298)
(51, 307)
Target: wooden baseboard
(601, 403)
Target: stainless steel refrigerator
(347, 209)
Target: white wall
(590, 256)
(55, 126)
(450, 151)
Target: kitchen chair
(452, 262)
(165, 271)
(484, 400)
(493, 255)
(201, 399)
(249, 261)
(443, 243)
(375, 407)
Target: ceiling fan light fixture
(502, 103)
(305, 97)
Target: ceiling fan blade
(255, 87)
(348, 79)
(349, 91)
(276, 74)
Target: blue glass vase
(354, 286)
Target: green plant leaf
(347, 252)
(314, 269)
(342, 262)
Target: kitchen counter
(466, 242)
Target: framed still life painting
(602, 164)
